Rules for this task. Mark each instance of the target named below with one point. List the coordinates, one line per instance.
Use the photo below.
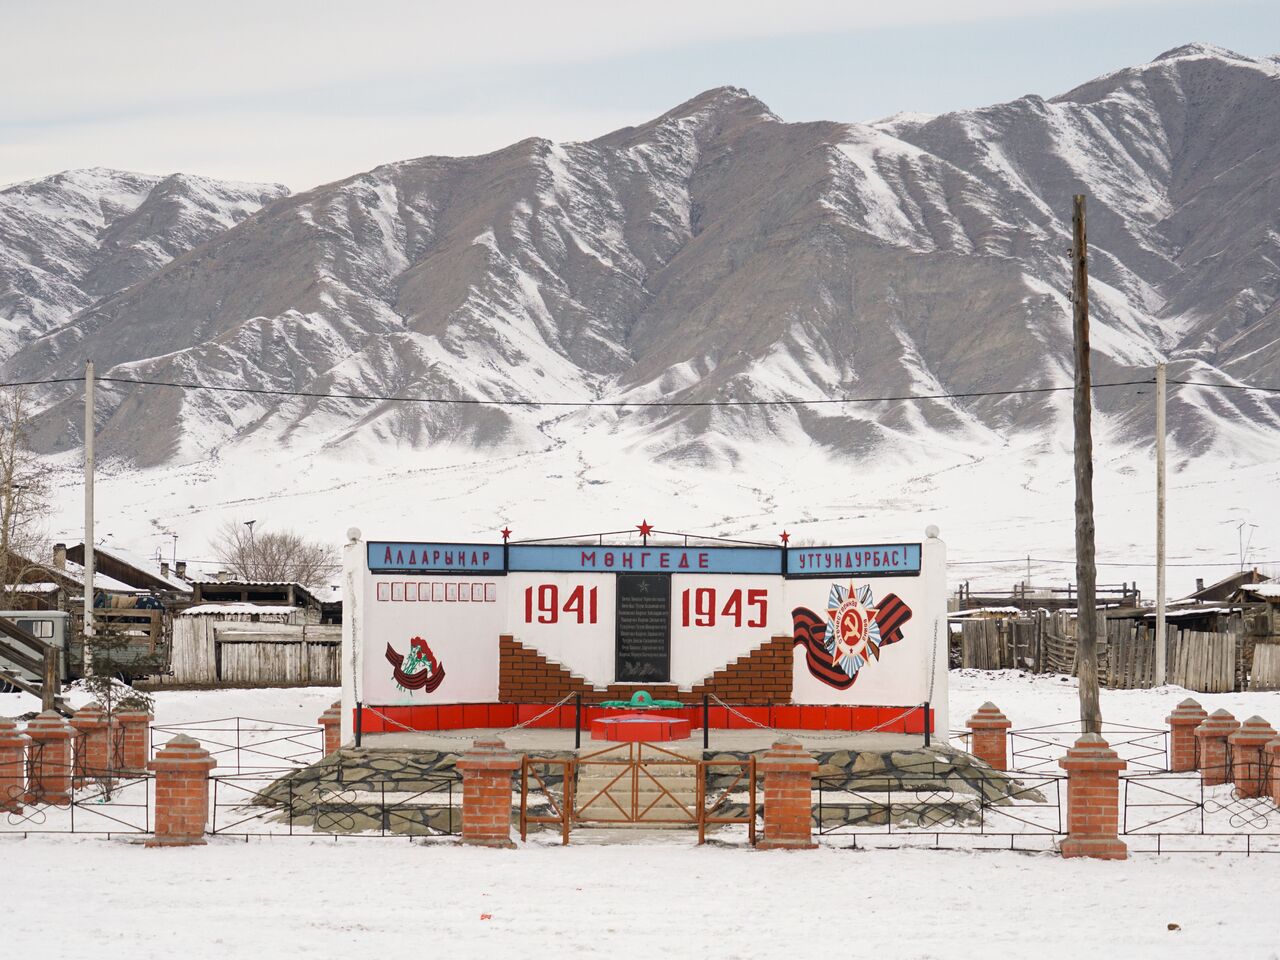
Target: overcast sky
(307, 92)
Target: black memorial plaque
(643, 652)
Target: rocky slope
(69, 240)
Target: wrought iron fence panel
(1178, 803)
(118, 805)
(244, 744)
(423, 807)
(1038, 749)
(921, 803)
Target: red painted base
(636, 727)
(501, 716)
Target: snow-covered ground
(391, 898)
(656, 894)
(579, 482)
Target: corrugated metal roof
(215, 609)
(248, 583)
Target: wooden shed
(253, 645)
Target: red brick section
(1247, 758)
(1272, 750)
(486, 770)
(331, 720)
(91, 744)
(49, 760)
(13, 761)
(788, 771)
(526, 676)
(1183, 721)
(1093, 800)
(1212, 736)
(761, 678)
(132, 740)
(182, 793)
(988, 741)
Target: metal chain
(842, 735)
(933, 660)
(446, 736)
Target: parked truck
(135, 644)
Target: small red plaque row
(469, 716)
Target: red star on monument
(645, 528)
(506, 534)
(784, 537)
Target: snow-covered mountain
(714, 252)
(69, 240)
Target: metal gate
(637, 784)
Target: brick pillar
(1093, 800)
(487, 769)
(1182, 722)
(788, 771)
(49, 760)
(13, 763)
(1272, 750)
(91, 743)
(1247, 757)
(989, 742)
(132, 740)
(331, 720)
(1212, 736)
(182, 793)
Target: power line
(1111, 563)
(1226, 386)
(470, 401)
(398, 398)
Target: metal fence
(246, 745)
(426, 807)
(256, 790)
(921, 809)
(1179, 813)
(1038, 749)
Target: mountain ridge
(719, 252)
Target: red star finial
(645, 528)
(784, 537)
(506, 534)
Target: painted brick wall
(762, 677)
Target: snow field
(656, 893)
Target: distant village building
(56, 583)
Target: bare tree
(283, 556)
(23, 497)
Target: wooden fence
(1265, 674)
(240, 652)
(1206, 662)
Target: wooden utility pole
(88, 517)
(1086, 567)
(1162, 666)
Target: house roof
(1267, 591)
(149, 575)
(224, 609)
(75, 571)
(299, 589)
(68, 577)
(1227, 586)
